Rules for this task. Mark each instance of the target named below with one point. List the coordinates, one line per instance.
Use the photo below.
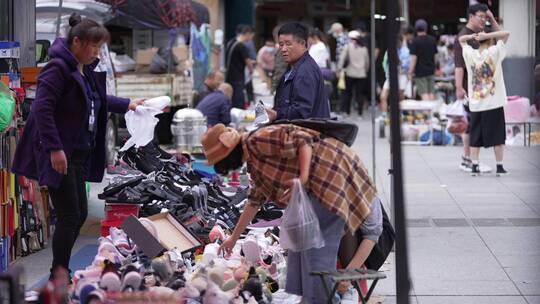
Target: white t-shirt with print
(486, 82)
(320, 54)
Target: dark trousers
(238, 99)
(356, 86)
(71, 208)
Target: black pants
(71, 208)
(356, 85)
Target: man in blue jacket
(300, 92)
(216, 106)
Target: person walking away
(423, 50)
(213, 80)
(355, 62)
(478, 14)
(301, 92)
(266, 60)
(63, 143)
(216, 106)
(487, 95)
(275, 156)
(237, 60)
(404, 57)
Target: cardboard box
(170, 232)
(181, 52)
(29, 75)
(173, 234)
(144, 57)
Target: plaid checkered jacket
(338, 178)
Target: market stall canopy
(156, 14)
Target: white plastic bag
(140, 124)
(456, 109)
(300, 228)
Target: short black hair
(244, 29)
(297, 29)
(475, 8)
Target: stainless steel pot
(188, 127)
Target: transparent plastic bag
(300, 228)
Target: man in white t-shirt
(487, 94)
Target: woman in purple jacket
(63, 144)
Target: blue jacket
(302, 94)
(58, 114)
(216, 106)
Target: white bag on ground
(140, 125)
(300, 228)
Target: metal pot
(188, 127)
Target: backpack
(341, 130)
(350, 243)
(382, 249)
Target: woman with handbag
(354, 62)
(335, 179)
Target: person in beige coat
(355, 63)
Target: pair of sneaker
(477, 170)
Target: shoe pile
(121, 272)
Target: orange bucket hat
(218, 142)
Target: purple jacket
(58, 115)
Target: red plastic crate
(119, 212)
(106, 224)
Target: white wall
(518, 17)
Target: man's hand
(489, 15)
(135, 102)
(59, 161)
(410, 75)
(272, 115)
(460, 93)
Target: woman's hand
(59, 161)
(135, 102)
(227, 246)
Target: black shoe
(141, 162)
(501, 171)
(475, 170)
(114, 188)
(154, 150)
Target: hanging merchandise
(7, 107)
(141, 122)
(200, 52)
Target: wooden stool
(354, 275)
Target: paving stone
(449, 222)
(490, 222)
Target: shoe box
(169, 234)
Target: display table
(527, 128)
(426, 106)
